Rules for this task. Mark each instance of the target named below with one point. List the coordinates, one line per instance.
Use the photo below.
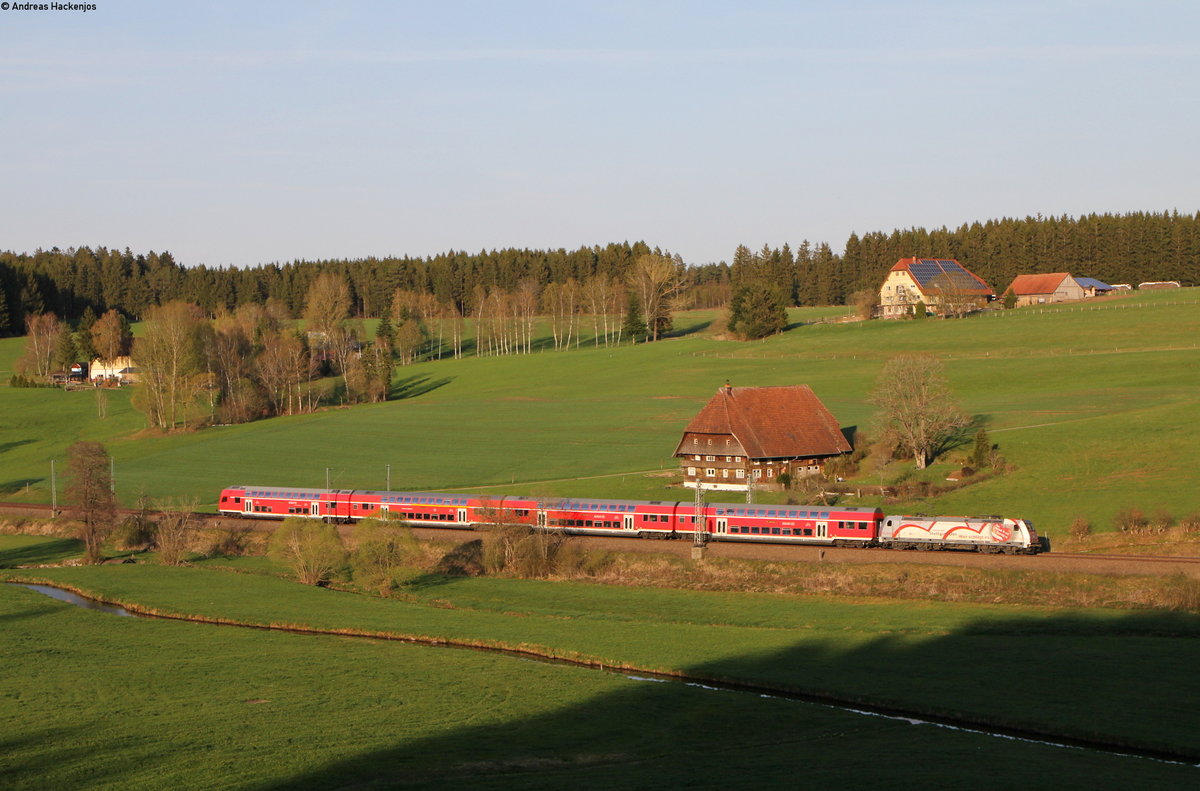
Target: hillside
(1093, 404)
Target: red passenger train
(792, 524)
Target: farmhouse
(1044, 289)
(118, 369)
(758, 433)
(944, 286)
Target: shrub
(380, 550)
(312, 551)
(465, 560)
(1131, 520)
(523, 551)
(1161, 521)
(1190, 524)
(1081, 529)
(229, 542)
(174, 535)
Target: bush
(523, 551)
(1131, 520)
(312, 551)
(1161, 522)
(380, 550)
(1081, 529)
(174, 535)
(136, 531)
(465, 560)
(1190, 524)
(229, 542)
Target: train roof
(798, 511)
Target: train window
(237, 499)
(754, 530)
(774, 531)
(808, 531)
(787, 531)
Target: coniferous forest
(1126, 248)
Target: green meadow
(98, 701)
(1093, 405)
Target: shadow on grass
(414, 386)
(48, 550)
(5, 446)
(12, 487)
(1056, 676)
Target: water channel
(92, 604)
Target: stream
(748, 689)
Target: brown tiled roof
(771, 422)
(1024, 285)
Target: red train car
(801, 524)
(791, 524)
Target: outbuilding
(1045, 289)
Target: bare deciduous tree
(89, 490)
(916, 405)
(170, 363)
(175, 531)
(41, 335)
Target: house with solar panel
(747, 435)
(944, 285)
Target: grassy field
(97, 701)
(1094, 406)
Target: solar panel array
(942, 272)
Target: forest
(1122, 248)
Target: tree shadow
(691, 329)
(12, 487)
(961, 436)
(413, 386)
(49, 550)
(643, 732)
(6, 446)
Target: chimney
(727, 389)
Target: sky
(256, 132)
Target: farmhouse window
(741, 473)
(710, 473)
(692, 471)
(697, 458)
(710, 458)
(728, 458)
(710, 440)
(724, 473)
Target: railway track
(1072, 562)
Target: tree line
(1116, 248)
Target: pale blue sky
(250, 132)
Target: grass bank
(1037, 668)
